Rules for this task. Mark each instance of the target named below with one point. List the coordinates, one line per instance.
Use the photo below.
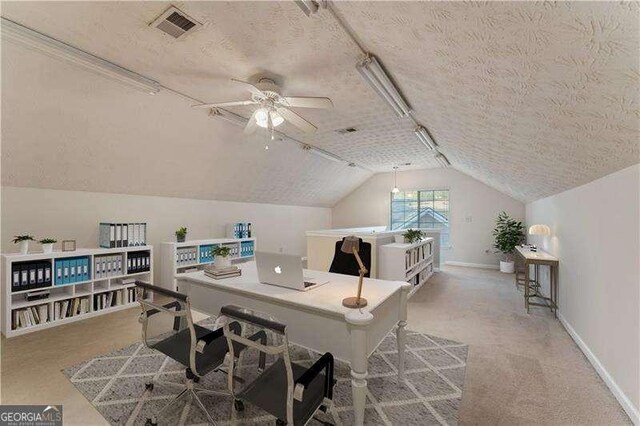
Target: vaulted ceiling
(530, 98)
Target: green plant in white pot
(181, 234)
(222, 257)
(23, 241)
(47, 245)
(413, 236)
(508, 234)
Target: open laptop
(284, 270)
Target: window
(422, 209)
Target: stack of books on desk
(218, 273)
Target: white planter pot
(222, 262)
(47, 248)
(24, 247)
(399, 238)
(507, 267)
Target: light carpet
(114, 383)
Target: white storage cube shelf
(86, 293)
(407, 262)
(177, 258)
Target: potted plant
(47, 245)
(222, 258)
(413, 236)
(508, 234)
(181, 234)
(24, 242)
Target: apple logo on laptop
(277, 269)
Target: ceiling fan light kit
(273, 108)
(374, 74)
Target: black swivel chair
(199, 349)
(290, 392)
(346, 263)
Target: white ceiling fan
(274, 108)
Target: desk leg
(358, 322)
(401, 334)
(526, 286)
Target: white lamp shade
(539, 230)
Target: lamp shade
(539, 230)
(350, 243)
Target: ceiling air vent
(347, 130)
(175, 22)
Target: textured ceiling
(530, 98)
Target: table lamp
(538, 230)
(351, 245)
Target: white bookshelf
(171, 263)
(58, 292)
(407, 262)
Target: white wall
(595, 234)
(474, 207)
(76, 214)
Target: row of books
(111, 235)
(206, 253)
(417, 255)
(72, 270)
(219, 273)
(421, 276)
(187, 255)
(108, 266)
(138, 261)
(30, 275)
(130, 295)
(27, 317)
(107, 300)
(71, 308)
(246, 248)
(241, 230)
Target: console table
(532, 286)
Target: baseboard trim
(624, 401)
(471, 265)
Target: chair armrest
(324, 363)
(208, 339)
(214, 335)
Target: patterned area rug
(115, 384)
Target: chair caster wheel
(280, 422)
(151, 422)
(238, 405)
(148, 386)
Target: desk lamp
(351, 245)
(538, 230)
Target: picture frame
(68, 245)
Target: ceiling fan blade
(253, 89)
(224, 104)
(308, 102)
(296, 120)
(252, 124)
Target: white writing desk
(316, 319)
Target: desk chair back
(290, 392)
(165, 315)
(346, 263)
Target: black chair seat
(274, 401)
(178, 346)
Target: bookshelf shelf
(176, 258)
(15, 305)
(407, 262)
